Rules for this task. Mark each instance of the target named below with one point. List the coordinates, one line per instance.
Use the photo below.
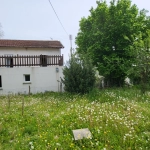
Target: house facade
(29, 66)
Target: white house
(29, 66)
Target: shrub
(79, 75)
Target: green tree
(141, 68)
(103, 36)
(79, 75)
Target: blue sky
(36, 20)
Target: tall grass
(117, 118)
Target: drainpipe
(57, 74)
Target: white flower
(30, 143)
(32, 147)
(58, 144)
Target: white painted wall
(30, 51)
(42, 79)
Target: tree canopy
(108, 34)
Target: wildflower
(30, 143)
(71, 145)
(56, 137)
(89, 136)
(98, 131)
(58, 144)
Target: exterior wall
(30, 51)
(41, 79)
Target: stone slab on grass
(82, 133)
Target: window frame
(26, 81)
(9, 60)
(27, 77)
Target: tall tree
(103, 35)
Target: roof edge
(31, 43)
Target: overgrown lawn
(119, 119)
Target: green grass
(119, 119)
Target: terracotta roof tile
(30, 43)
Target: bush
(79, 75)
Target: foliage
(141, 68)
(103, 35)
(79, 75)
(117, 119)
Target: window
(27, 77)
(0, 81)
(9, 60)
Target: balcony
(28, 60)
